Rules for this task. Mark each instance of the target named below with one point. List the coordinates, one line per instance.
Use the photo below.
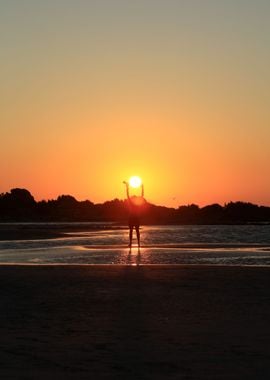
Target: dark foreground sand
(124, 322)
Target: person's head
(137, 200)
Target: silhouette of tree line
(19, 205)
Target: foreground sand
(128, 322)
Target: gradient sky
(176, 91)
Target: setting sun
(135, 181)
(136, 95)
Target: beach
(134, 322)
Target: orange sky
(175, 92)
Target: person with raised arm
(135, 208)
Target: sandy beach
(134, 322)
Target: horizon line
(120, 199)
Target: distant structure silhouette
(135, 208)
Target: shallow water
(223, 245)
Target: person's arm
(142, 190)
(127, 188)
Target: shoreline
(160, 266)
(79, 255)
(53, 230)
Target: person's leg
(138, 235)
(130, 235)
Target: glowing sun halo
(135, 181)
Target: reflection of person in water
(135, 206)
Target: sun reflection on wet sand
(134, 256)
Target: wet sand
(134, 322)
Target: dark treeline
(19, 205)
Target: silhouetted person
(135, 206)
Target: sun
(135, 181)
